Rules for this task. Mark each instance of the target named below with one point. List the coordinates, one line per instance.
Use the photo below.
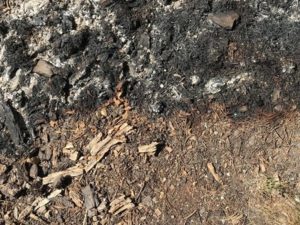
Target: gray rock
(226, 20)
(44, 68)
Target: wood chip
(38, 203)
(98, 149)
(46, 200)
(74, 171)
(213, 172)
(71, 151)
(226, 20)
(74, 194)
(3, 168)
(90, 199)
(44, 68)
(9, 190)
(36, 218)
(120, 205)
(148, 148)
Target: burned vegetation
(149, 112)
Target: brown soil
(206, 169)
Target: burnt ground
(182, 120)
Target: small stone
(34, 170)
(278, 108)
(226, 20)
(158, 107)
(275, 95)
(157, 212)
(195, 80)
(2, 168)
(44, 68)
(243, 109)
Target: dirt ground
(188, 168)
(150, 112)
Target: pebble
(243, 109)
(44, 68)
(195, 80)
(33, 173)
(226, 20)
(158, 107)
(278, 108)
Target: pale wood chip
(151, 148)
(25, 212)
(98, 149)
(36, 218)
(3, 168)
(71, 151)
(120, 205)
(94, 141)
(213, 172)
(38, 203)
(46, 200)
(76, 197)
(74, 171)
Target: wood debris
(120, 205)
(70, 151)
(75, 196)
(9, 190)
(3, 168)
(98, 149)
(38, 203)
(90, 199)
(151, 148)
(74, 171)
(213, 172)
(114, 137)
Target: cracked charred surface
(159, 47)
(207, 99)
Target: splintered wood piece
(148, 148)
(75, 196)
(71, 151)
(115, 136)
(74, 171)
(98, 149)
(38, 203)
(213, 172)
(45, 201)
(9, 189)
(35, 217)
(120, 205)
(94, 141)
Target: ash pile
(70, 55)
